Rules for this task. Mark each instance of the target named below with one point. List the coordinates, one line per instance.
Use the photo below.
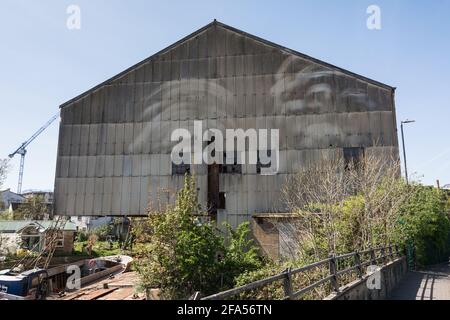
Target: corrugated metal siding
(114, 145)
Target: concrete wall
(276, 235)
(114, 141)
(391, 275)
(266, 236)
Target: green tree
(424, 220)
(34, 208)
(103, 232)
(180, 252)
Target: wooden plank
(118, 294)
(96, 294)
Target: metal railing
(375, 256)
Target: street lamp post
(404, 148)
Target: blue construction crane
(23, 151)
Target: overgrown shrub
(273, 291)
(424, 220)
(181, 253)
(34, 208)
(82, 236)
(240, 254)
(103, 232)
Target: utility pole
(404, 147)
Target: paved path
(430, 284)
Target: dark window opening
(353, 157)
(234, 168)
(181, 169)
(222, 198)
(259, 165)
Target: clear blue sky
(43, 64)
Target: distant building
(31, 235)
(10, 201)
(120, 225)
(47, 197)
(90, 223)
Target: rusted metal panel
(71, 196)
(109, 166)
(213, 189)
(116, 195)
(135, 196)
(84, 140)
(107, 194)
(63, 140)
(60, 196)
(125, 195)
(99, 116)
(73, 167)
(147, 93)
(81, 192)
(98, 196)
(144, 197)
(100, 165)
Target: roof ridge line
(215, 22)
(305, 56)
(122, 73)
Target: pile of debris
(119, 287)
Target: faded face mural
(301, 99)
(115, 141)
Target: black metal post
(358, 264)
(287, 284)
(333, 273)
(383, 255)
(404, 153)
(373, 257)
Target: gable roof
(18, 225)
(13, 226)
(245, 34)
(7, 195)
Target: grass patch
(100, 249)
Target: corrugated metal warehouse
(114, 144)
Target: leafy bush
(349, 225)
(273, 291)
(34, 208)
(240, 255)
(181, 254)
(82, 236)
(103, 232)
(424, 220)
